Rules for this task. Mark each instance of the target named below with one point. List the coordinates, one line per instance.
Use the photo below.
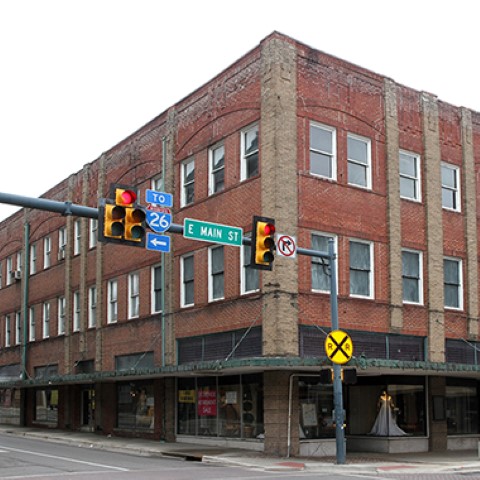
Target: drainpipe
(26, 280)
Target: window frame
(76, 311)
(31, 324)
(154, 290)
(47, 252)
(455, 190)
(133, 295)
(416, 179)
(317, 261)
(371, 275)
(246, 263)
(18, 328)
(419, 280)
(332, 155)
(212, 276)
(8, 331)
(46, 319)
(92, 306)
(213, 171)
(459, 286)
(61, 326)
(33, 259)
(77, 236)
(112, 303)
(186, 184)
(367, 166)
(244, 156)
(92, 233)
(186, 283)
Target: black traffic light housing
(263, 243)
(121, 218)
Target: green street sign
(212, 232)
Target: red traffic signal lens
(128, 197)
(269, 229)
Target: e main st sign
(212, 232)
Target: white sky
(78, 76)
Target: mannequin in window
(385, 424)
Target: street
(26, 458)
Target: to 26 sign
(159, 221)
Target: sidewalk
(408, 463)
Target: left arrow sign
(160, 243)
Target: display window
(135, 409)
(46, 406)
(10, 406)
(461, 407)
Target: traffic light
(263, 243)
(121, 219)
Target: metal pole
(337, 369)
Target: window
(359, 161)
(31, 324)
(46, 319)
(33, 259)
(320, 266)
(156, 289)
(410, 176)
(18, 328)
(157, 184)
(76, 311)
(187, 277)
(412, 277)
(47, 252)
(61, 315)
(217, 169)
(322, 151)
(452, 283)
(361, 271)
(249, 159)
(9, 270)
(7, 331)
(133, 295)
(461, 407)
(19, 262)
(450, 187)
(188, 182)
(216, 273)
(93, 233)
(62, 243)
(250, 276)
(112, 314)
(92, 307)
(77, 233)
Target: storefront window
(462, 409)
(46, 406)
(394, 408)
(10, 406)
(135, 406)
(221, 407)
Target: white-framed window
(188, 182)
(216, 161)
(453, 283)
(77, 234)
(409, 167)
(321, 275)
(250, 281)
(323, 157)
(92, 307)
(361, 269)
(19, 261)
(76, 311)
(112, 314)
(451, 187)
(31, 324)
(8, 337)
(46, 319)
(47, 252)
(92, 232)
(133, 295)
(216, 273)
(18, 328)
(62, 243)
(10, 271)
(412, 276)
(359, 161)
(187, 280)
(249, 152)
(156, 288)
(33, 259)
(61, 315)
(157, 183)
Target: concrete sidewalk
(408, 463)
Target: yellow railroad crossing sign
(338, 347)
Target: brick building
(194, 343)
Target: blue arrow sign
(158, 221)
(160, 243)
(159, 198)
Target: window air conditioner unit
(17, 275)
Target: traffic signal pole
(68, 208)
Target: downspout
(26, 281)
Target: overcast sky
(78, 76)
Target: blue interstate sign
(158, 221)
(159, 198)
(160, 243)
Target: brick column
(433, 202)
(393, 204)
(438, 428)
(278, 166)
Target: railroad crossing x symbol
(338, 347)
